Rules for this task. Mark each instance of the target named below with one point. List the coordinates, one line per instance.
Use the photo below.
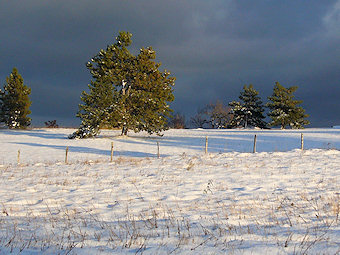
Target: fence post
(111, 151)
(158, 155)
(254, 144)
(66, 154)
(206, 145)
(18, 157)
(301, 141)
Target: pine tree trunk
(124, 130)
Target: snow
(280, 200)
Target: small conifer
(248, 112)
(15, 102)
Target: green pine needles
(127, 92)
(15, 102)
(248, 112)
(284, 109)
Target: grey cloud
(332, 20)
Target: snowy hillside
(280, 200)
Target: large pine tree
(15, 102)
(284, 109)
(248, 112)
(126, 92)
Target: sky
(213, 48)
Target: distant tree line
(284, 111)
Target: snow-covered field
(280, 200)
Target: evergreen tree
(96, 112)
(127, 91)
(284, 109)
(149, 94)
(15, 102)
(248, 112)
(239, 114)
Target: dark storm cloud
(212, 47)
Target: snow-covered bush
(84, 132)
(51, 124)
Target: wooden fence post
(206, 145)
(301, 141)
(254, 144)
(158, 155)
(111, 151)
(18, 157)
(66, 154)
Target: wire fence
(110, 148)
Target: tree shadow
(39, 133)
(87, 150)
(220, 141)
